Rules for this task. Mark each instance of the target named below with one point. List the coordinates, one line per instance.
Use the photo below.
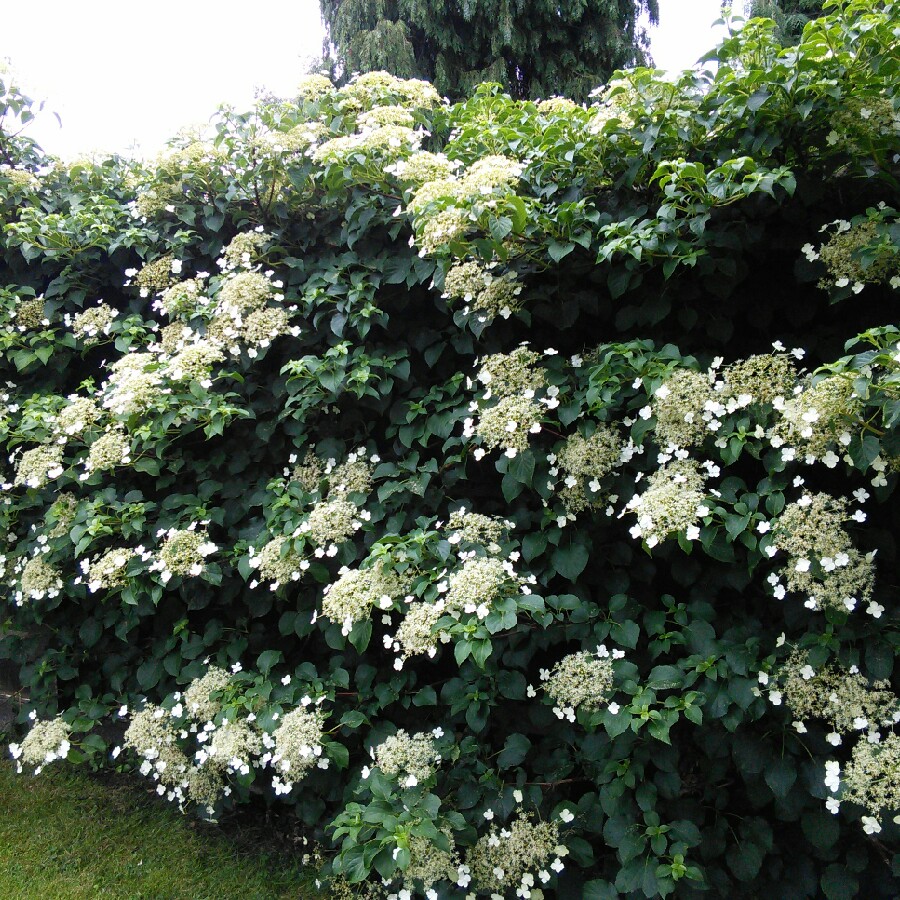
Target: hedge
(504, 488)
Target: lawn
(67, 835)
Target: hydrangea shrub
(503, 489)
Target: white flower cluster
(183, 552)
(822, 562)
(844, 699)
(819, 417)
(193, 748)
(456, 199)
(582, 680)
(29, 314)
(475, 528)
(278, 563)
(518, 387)
(514, 858)
(109, 451)
(36, 467)
(92, 323)
(107, 571)
(842, 256)
(585, 462)
(244, 248)
(183, 300)
(353, 596)
(135, 385)
(672, 502)
(79, 414)
(45, 743)
(481, 292)
(297, 747)
(241, 314)
(850, 706)
(469, 591)
(410, 759)
(38, 579)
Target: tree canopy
(534, 48)
(790, 16)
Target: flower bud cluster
(581, 679)
(244, 248)
(36, 467)
(822, 562)
(197, 695)
(842, 698)
(842, 256)
(183, 552)
(429, 864)
(225, 743)
(276, 564)
(585, 462)
(483, 293)
(39, 579)
(195, 362)
(411, 759)
(764, 377)
(77, 416)
(673, 502)
(184, 299)
(820, 416)
(135, 385)
(680, 406)
(475, 528)
(421, 167)
(872, 780)
(352, 597)
(298, 746)
(29, 315)
(107, 571)
(512, 858)
(156, 276)
(92, 323)
(515, 381)
(372, 88)
(314, 88)
(153, 734)
(110, 450)
(45, 743)
(330, 522)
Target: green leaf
(599, 890)
(839, 884)
(149, 673)
(558, 251)
(662, 677)
(780, 775)
(353, 718)
(514, 751)
(821, 828)
(338, 754)
(90, 632)
(267, 660)
(533, 545)
(570, 561)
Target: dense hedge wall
(497, 486)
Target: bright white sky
(130, 74)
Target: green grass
(67, 835)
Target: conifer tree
(790, 15)
(535, 48)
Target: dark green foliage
(666, 225)
(790, 16)
(534, 48)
